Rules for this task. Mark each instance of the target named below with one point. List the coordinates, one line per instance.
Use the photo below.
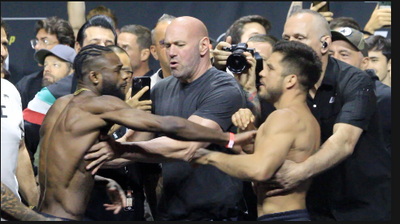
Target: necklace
(81, 90)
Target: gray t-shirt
(203, 192)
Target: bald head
(187, 47)
(194, 26)
(320, 24)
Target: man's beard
(111, 89)
(272, 95)
(46, 82)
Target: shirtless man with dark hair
(77, 121)
(290, 132)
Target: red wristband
(231, 140)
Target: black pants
(294, 215)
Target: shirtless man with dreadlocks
(77, 121)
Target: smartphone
(324, 8)
(384, 5)
(138, 83)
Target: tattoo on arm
(256, 109)
(13, 209)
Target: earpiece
(324, 44)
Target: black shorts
(52, 216)
(294, 215)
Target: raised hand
(247, 79)
(134, 102)
(328, 15)
(379, 18)
(220, 56)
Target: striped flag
(38, 106)
(44, 99)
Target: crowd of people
(248, 127)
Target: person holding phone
(380, 17)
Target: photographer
(248, 78)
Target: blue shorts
(52, 216)
(294, 215)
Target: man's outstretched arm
(162, 149)
(274, 140)
(174, 127)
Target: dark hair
(263, 38)
(86, 57)
(5, 27)
(142, 33)
(102, 10)
(59, 27)
(380, 43)
(164, 17)
(236, 29)
(300, 59)
(98, 21)
(344, 22)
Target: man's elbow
(261, 175)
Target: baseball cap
(63, 52)
(352, 36)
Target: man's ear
(364, 63)
(144, 54)
(326, 42)
(153, 51)
(77, 47)
(290, 81)
(204, 46)
(95, 77)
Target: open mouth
(173, 64)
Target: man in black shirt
(351, 171)
(348, 45)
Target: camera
(237, 62)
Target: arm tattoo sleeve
(13, 209)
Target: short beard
(46, 82)
(274, 95)
(110, 89)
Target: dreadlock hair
(86, 57)
(97, 21)
(300, 59)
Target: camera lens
(236, 62)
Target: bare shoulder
(104, 103)
(64, 100)
(282, 118)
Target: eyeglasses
(44, 42)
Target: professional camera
(237, 62)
